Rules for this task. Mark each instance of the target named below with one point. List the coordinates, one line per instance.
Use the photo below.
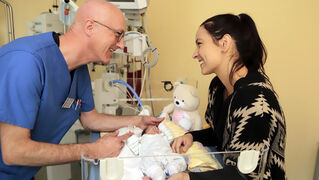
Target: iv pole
(9, 20)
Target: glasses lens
(121, 36)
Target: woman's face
(208, 54)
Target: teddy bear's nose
(177, 102)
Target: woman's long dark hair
(252, 52)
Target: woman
(243, 111)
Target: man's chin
(105, 60)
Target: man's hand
(19, 149)
(146, 121)
(109, 145)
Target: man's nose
(120, 44)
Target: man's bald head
(95, 34)
(99, 10)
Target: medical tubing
(143, 80)
(132, 32)
(155, 54)
(148, 66)
(150, 48)
(149, 88)
(130, 87)
(130, 96)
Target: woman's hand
(146, 178)
(179, 176)
(183, 143)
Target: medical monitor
(129, 4)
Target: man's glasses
(120, 34)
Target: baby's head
(152, 130)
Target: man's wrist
(137, 120)
(133, 121)
(87, 150)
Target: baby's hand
(153, 130)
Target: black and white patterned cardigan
(250, 118)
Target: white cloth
(153, 145)
(157, 167)
(131, 170)
(166, 132)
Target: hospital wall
(289, 30)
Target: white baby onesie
(131, 170)
(159, 167)
(156, 167)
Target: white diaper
(156, 145)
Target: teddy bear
(185, 107)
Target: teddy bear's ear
(194, 92)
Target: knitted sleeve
(205, 136)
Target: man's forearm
(34, 153)
(103, 122)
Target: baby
(156, 143)
(152, 146)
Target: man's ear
(226, 42)
(88, 27)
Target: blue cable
(130, 87)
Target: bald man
(46, 87)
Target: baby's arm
(152, 130)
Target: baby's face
(152, 130)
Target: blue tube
(130, 87)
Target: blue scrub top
(35, 82)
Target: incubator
(119, 168)
(197, 158)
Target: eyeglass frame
(119, 33)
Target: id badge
(68, 103)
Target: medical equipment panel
(129, 4)
(45, 22)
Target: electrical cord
(130, 88)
